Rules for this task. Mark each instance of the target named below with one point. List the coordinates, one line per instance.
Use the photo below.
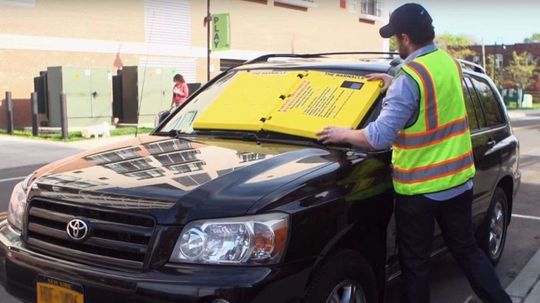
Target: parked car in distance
(220, 205)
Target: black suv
(220, 215)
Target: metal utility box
(88, 95)
(40, 87)
(144, 93)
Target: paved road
(17, 159)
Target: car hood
(176, 180)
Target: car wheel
(493, 230)
(345, 277)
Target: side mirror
(161, 116)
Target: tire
(343, 274)
(492, 233)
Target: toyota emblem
(77, 230)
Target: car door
(487, 142)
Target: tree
(455, 45)
(393, 44)
(521, 69)
(534, 38)
(495, 72)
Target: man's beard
(403, 53)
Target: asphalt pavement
(19, 157)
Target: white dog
(103, 129)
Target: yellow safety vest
(435, 153)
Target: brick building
(503, 57)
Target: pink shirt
(183, 94)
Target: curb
(526, 286)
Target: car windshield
(292, 102)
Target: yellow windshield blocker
(298, 103)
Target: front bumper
(20, 267)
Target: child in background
(180, 91)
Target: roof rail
(472, 66)
(265, 58)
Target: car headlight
(17, 205)
(256, 239)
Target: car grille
(115, 240)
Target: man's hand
(333, 134)
(380, 76)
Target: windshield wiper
(213, 133)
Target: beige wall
(17, 74)
(256, 26)
(95, 19)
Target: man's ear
(405, 39)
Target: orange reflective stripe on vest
(434, 171)
(431, 111)
(433, 136)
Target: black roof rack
(265, 58)
(472, 66)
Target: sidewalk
(517, 114)
(526, 286)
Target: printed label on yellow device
(323, 99)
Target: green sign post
(221, 35)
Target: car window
(480, 118)
(488, 100)
(469, 105)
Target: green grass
(130, 131)
(513, 105)
(76, 135)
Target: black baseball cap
(410, 18)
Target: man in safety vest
(425, 120)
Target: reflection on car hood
(177, 180)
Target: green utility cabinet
(144, 93)
(88, 95)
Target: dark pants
(415, 217)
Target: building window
(295, 4)
(187, 167)
(352, 6)
(147, 174)
(530, 59)
(258, 1)
(113, 156)
(499, 60)
(129, 166)
(167, 22)
(371, 7)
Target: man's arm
(400, 107)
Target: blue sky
(496, 21)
